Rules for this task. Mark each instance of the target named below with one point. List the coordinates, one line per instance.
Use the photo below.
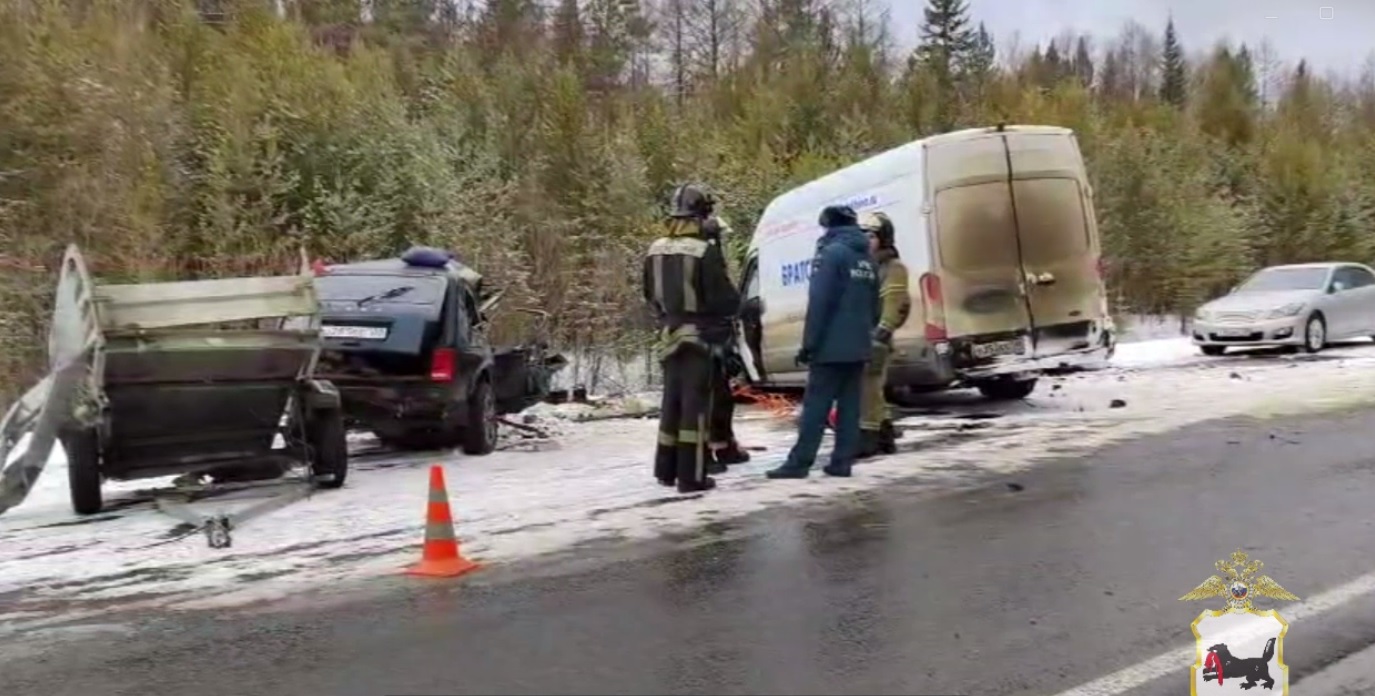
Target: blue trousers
(835, 383)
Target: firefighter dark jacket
(688, 288)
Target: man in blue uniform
(842, 311)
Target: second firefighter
(877, 435)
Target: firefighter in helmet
(725, 449)
(689, 291)
(877, 435)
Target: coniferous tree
(1173, 76)
(947, 51)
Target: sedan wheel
(1315, 334)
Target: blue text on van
(861, 202)
(797, 273)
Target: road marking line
(1148, 671)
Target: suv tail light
(443, 365)
(934, 307)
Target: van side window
(752, 280)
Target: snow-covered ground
(593, 482)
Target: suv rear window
(380, 290)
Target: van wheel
(83, 470)
(1006, 389)
(480, 435)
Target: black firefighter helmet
(691, 201)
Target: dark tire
(1213, 351)
(480, 435)
(83, 470)
(1315, 333)
(1007, 389)
(329, 448)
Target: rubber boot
(732, 454)
(887, 438)
(868, 444)
(789, 470)
(666, 465)
(687, 462)
(714, 464)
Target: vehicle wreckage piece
(158, 379)
(406, 342)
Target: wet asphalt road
(1032, 584)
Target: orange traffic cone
(441, 558)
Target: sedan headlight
(1203, 315)
(1288, 310)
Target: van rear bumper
(933, 367)
(1071, 361)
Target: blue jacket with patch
(843, 303)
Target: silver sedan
(1303, 305)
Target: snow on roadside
(1155, 352)
(597, 484)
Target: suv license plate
(372, 333)
(996, 348)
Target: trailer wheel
(480, 434)
(329, 448)
(83, 470)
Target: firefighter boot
(732, 453)
(666, 465)
(690, 458)
(888, 438)
(868, 444)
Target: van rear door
(1016, 262)
(979, 265)
(1059, 247)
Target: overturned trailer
(158, 379)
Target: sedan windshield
(1276, 279)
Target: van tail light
(1100, 267)
(443, 365)
(933, 305)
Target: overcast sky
(1297, 29)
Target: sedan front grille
(1237, 317)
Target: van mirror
(753, 308)
(1337, 286)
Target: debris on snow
(604, 408)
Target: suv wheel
(480, 436)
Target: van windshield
(1278, 279)
(363, 290)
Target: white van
(997, 229)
